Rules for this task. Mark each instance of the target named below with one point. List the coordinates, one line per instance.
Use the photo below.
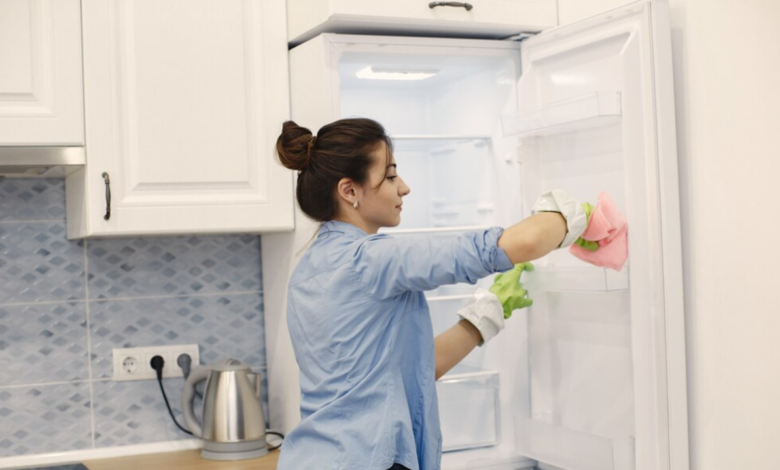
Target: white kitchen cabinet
(41, 102)
(184, 101)
(493, 19)
(570, 11)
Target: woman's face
(380, 203)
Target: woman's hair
(340, 150)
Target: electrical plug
(185, 364)
(157, 364)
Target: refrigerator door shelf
(573, 279)
(581, 391)
(571, 449)
(573, 114)
(469, 408)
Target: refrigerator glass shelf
(573, 114)
(466, 372)
(444, 298)
(460, 291)
(436, 143)
(453, 181)
(569, 448)
(413, 231)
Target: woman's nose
(404, 189)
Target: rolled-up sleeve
(388, 266)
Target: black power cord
(157, 364)
(184, 361)
(275, 434)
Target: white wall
(727, 82)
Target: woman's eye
(391, 178)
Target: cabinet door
(184, 101)
(473, 19)
(41, 100)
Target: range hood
(40, 161)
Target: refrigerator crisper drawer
(469, 408)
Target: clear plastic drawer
(469, 408)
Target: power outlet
(135, 363)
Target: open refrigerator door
(605, 348)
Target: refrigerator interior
(561, 371)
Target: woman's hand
(485, 313)
(510, 292)
(558, 221)
(480, 321)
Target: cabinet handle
(467, 6)
(108, 196)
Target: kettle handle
(258, 384)
(197, 375)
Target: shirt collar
(341, 227)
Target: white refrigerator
(592, 376)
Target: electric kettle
(233, 425)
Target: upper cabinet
(570, 11)
(493, 19)
(184, 100)
(41, 101)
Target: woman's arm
(533, 237)
(453, 345)
(527, 240)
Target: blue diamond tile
(28, 273)
(128, 413)
(56, 348)
(50, 411)
(31, 199)
(218, 324)
(140, 267)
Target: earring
(355, 204)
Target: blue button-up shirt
(363, 339)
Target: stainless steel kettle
(233, 425)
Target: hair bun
(294, 146)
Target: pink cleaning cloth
(609, 228)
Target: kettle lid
(230, 365)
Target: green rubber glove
(510, 291)
(588, 245)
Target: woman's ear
(348, 191)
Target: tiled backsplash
(64, 305)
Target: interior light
(374, 73)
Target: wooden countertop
(181, 460)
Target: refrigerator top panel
(492, 19)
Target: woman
(359, 322)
